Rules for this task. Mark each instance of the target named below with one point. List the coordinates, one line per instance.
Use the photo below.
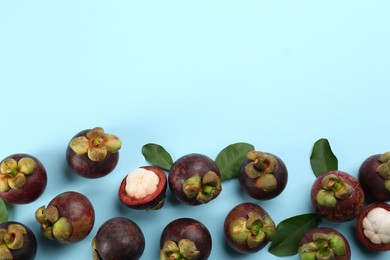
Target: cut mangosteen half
(144, 188)
(373, 227)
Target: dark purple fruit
(337, 196)
(23, 178)
(68, 218)
(195, 179)
(92, 153)
(372, 227)
(263, 176)
(248, 228)
(374, 176)
(118, 238)
(185, 238)
(17, 241)
(324, 243)
(144, 188)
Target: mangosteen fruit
(118, 238)
(195, 179)
(23, 178)
(263, 175)
(248, 228)
(372, 227)
(374, 176)
(324, 243)
(337, 196)
(144, 188)
(92, 153)
(185, 238)
(69, 217)
(17, 241)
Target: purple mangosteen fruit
(118, 238)
(263, 176)
(248, 228)
(69, 217)
(17, 241)
(324, 243)
(23, 178)
(144, 188)
(374, 176)
(92, 153)
(195, 179)
(337, 196)
(372, 227)
(185, 238)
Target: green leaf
(322, 158)
(230, 159)
(289, 233)
(3, 212)
(157, 156)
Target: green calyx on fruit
(95, 253)
(323, 246)
(253, 230)
(261, 167)
(185, 249)
(53, 226)
(11, 238)
(13, 173)
(333, 188)
(384, 169)
(203, 188)
(96, 144)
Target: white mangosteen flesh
(141, 182)
(376, 226)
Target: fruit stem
(8, 238)
(255, 229)
(260, 165)
(97, 141)
(175, 256)
(208, 189)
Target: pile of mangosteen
(193, 179)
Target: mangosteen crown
(11, 238)
(53, 226)
(261, 167)
(13, 173)
(384, 169)
(324, 246)
(203, 189)
(334, 188)
(252, 230)
(185, 249)
(96, 144)
(376, 226)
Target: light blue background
(193, 76)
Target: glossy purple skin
(188, 228)
(241, 211)
(308, 237)
(372, 183)
(78, 209)
(344, 210)
(83, 166)
(29, 249)
(248, 184)
(34, 187)
(120, 238)
(186, 167)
